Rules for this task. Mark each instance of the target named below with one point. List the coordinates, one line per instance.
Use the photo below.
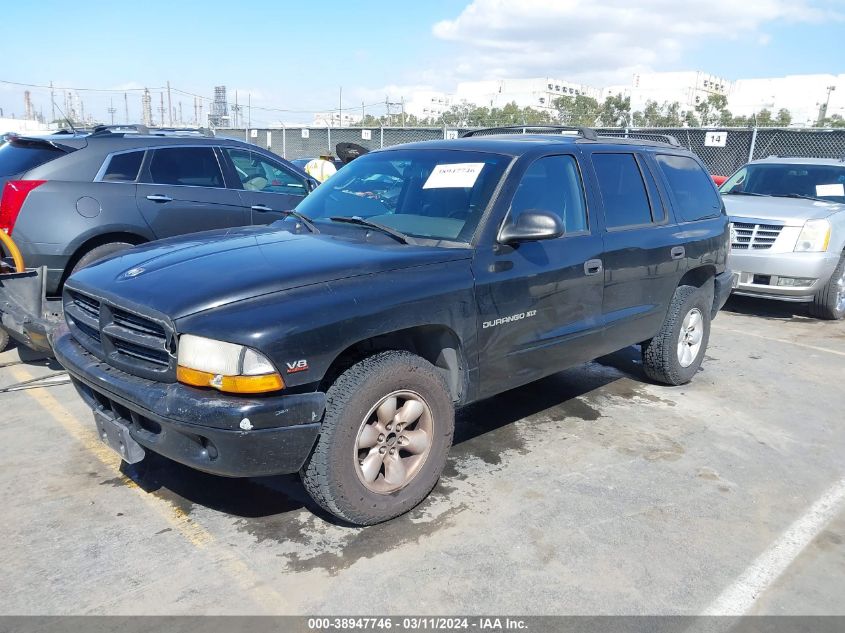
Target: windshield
(430, 194)
(824, 182)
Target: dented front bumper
(234, 436)
(25, 311)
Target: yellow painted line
(192, 531)
(783, 340)
(87, 436)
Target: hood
(790, 211)
(185, 275)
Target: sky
(291, 59)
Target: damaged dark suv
(338, 341)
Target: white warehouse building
(538, 93)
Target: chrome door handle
(159, 197)
(677, 252)
(592, 267)
(261, 207)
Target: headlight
(204, 362)
(814, 237)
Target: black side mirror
(532, 225)
(311, 184)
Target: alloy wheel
(393, 442)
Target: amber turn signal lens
(230, 384)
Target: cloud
(601, 42)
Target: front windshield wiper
(799, 196)
(398, 235)
(308, 222)
(744, 193)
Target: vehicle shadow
(21, 355)
(262, 497)
(766, 308)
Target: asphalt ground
(589, 492)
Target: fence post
(284, 141)
(753, 143)
(381, 136)
(329, 133)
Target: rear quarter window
(16, 158)
(123, 167)
(690, 188)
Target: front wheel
(675, 354)
(384, 439)
(829, 302)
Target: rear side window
(124, 167)
(553, 184)
(692, 190)
(622, 190)
(193, 166)
(17, 157)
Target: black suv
(69, 199)
(418, 278)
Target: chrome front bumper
(759, 274)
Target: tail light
(11, 202)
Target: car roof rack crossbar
(634, 134)
(586, 132)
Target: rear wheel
(4, 339)
(829, 302)
(98, 252)
(383, 443)
(675, 354)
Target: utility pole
(112, 110)
(249, 110)
(180, 113)
(53, 101)
(236, 111)
(126, 107)
(161, 109)
(340, 108)
(363, 115)
(824, 106)
(403, 111)
(169, 107)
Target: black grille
(136, 343)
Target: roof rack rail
(666, 138)
(137, 128)
(586, 132)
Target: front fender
(316, 323)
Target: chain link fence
(733, 146)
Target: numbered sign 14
(715, 139)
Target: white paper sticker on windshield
(837, 189)
(453, 175)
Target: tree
(578, 110)
(835, 120)
(654, 115)
(713, 110)
(615, 111)
(784, 118)
(764, 118)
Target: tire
(99, 252)
(334, 472)
(4, 339)
(829, 302)
(662, 357)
